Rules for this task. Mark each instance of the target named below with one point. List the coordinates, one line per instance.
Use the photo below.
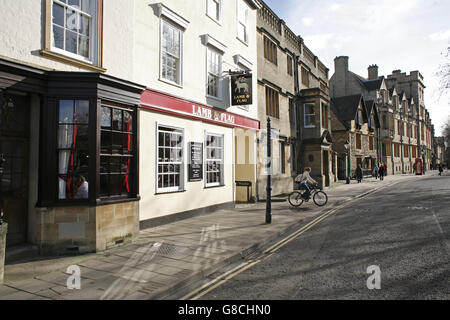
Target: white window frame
(222, 160)
(219, 2)
(179, 82)
(241, 4)
(93, 35)
(180, 188)
(219, 75)
(308, 114)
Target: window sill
(245, 43)
(77, 63)
(86, 202)
(212, 187)
(171, 83)
(158, 193)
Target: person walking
(381, 172)
(375, 171)
(385, 169)
(359, 174)
(440, 170)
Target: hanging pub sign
(241, 89)
(195, 172)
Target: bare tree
(446, 133)
(443, 74)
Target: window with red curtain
(116, 151)
(73, 149)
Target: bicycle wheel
(295, 199)
(320, 198)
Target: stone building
(439, 151)
(291, 79)
(406, 129)
(413, 86)
(356, 123)
(314, 119)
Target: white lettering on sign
(207, 113)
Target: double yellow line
(213, 284)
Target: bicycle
(319, 197)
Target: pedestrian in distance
(375, 171)
(359, 174)
(440, 170)
(381, 172)
(385, 169)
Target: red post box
(418, 167)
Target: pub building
(191, 156)
(91, 159)
(103, 140)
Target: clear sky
(394, 34)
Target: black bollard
(269, 177)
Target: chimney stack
(341, 64)
(373, 72)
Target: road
(404, 230)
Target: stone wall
(75, 230)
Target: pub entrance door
(14, 145)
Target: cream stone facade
(290, 76)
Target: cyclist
(305, 182)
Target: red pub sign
(158, 101)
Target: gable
(383, 85)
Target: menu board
(195, 172)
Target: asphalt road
(404, 230)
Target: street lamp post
(269, 176)
(347, 147)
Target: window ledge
(77, 63)
(245, 43)
(106, 201)
(212, 187)
(158, 193)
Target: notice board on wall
(195, 170)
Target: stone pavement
(167, 258)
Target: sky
(404, 35)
